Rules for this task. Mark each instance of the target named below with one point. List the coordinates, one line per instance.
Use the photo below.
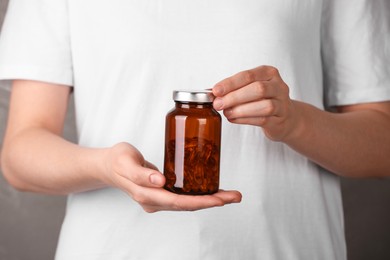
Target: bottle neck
(193, 105)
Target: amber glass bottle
(192, 144)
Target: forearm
(39, 161)
(354, 144)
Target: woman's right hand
(127, 169)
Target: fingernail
(155, 179)
(228, 112)
(218, 103)
(238, 199)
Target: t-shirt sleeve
(35, 42)
(355, 39)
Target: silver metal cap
(197, 96)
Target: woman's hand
(352, 143)
(128, 170)
(257, 97)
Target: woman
(282, 65)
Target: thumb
(156, 178)
(147, 175)
(128, 162)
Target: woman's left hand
(257, 97)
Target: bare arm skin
(36, 158)
(354, 142)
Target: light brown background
(30, 223)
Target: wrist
(94, 166)
(299, 121)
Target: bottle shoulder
(193, 112)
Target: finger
(140, 194)
(254, 91)
(193, 203)
(175, 202)
(255, 121)
(229, 196)
(243, 78)
(146, 177)
(140, 175)
(160, 199)
(262, 108)
(156, 178)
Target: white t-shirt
(125, 57)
